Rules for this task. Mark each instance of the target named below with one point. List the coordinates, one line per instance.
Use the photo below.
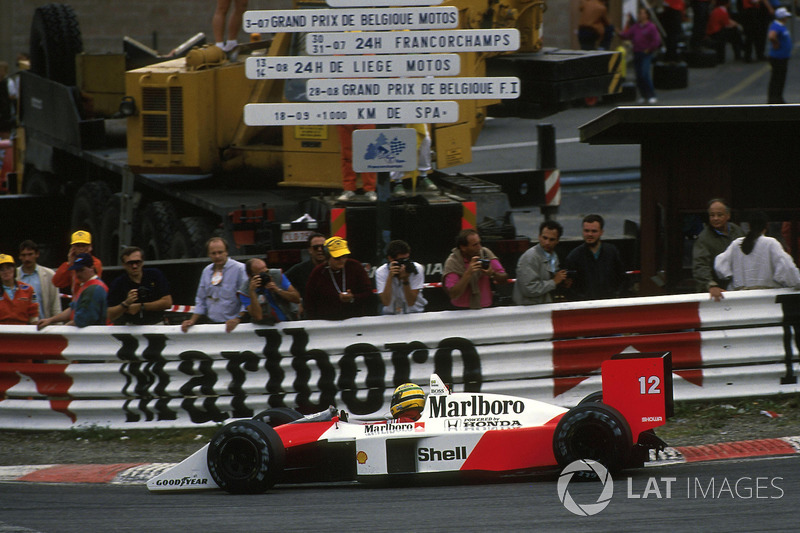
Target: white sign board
(384, 150)
(351, 113)
(305, 20)
(259, 68)
(325, 44)
(382, 3)
(413, 89)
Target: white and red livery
(471, 434)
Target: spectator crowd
(332, 285)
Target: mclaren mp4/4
(458, 433)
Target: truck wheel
(158, 229)
(87, 208)
(278, 416)
(245, 457)
(593, 431)
(109, 232)
(55, 40)
(199, 230)
(190, 239)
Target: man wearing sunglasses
(140, 295)
(299, 273)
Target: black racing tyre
(157, 230)
(87, 208)
(278, 416)
(593, 431)
(55, 40)
(246, 457)
(39, 183)
(595, 397)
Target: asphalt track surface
(754, 494)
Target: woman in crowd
(756, 261)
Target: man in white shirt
(217, 299)
(400, 281)
(40, 278)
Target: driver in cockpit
(408, 401)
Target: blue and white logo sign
(385, 150)
(585, 509)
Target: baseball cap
(83, 260)
(782, 13)
(6, 259)
(81, 237)
(337, 247)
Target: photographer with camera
(264, 299)
(469, 272)
(139, 296)
(399, 281)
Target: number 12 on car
(647, 377)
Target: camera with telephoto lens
(143, 293)
(265, 278)
(408, 263)
(485, 263)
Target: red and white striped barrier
(157, 376)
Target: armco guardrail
(157, 376)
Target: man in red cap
(88, 305)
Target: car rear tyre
(593, 431)
(278, 416)
(246, 457)
(595, 397)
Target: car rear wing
(639, 386)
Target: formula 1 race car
(468, 434)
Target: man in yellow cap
(18, 300)
(81, 243)
(338, 288)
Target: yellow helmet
(408, 399)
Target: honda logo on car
(445, 406)
(481, 424)
(432, 454)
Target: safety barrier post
(546, 159)
(790, 303)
